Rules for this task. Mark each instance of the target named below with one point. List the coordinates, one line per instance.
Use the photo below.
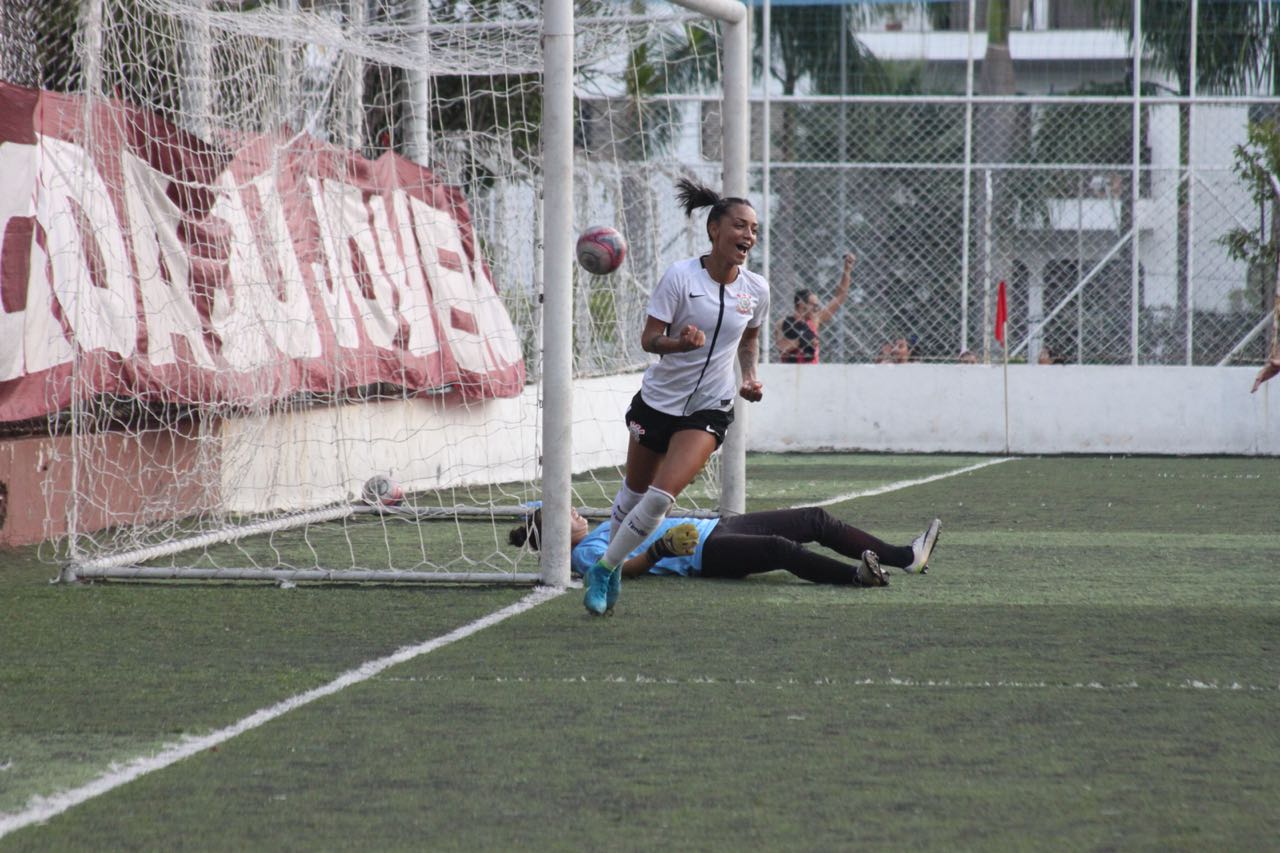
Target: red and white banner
(178, 270)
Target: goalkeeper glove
(679, 541)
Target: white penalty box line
(42, 808)
(904, 484)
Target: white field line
(917, 683)
(42, 808)
(903, 484)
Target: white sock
(623, 503)
(639, 523)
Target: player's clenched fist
(691, 338)
(752, 390)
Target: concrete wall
(294, 460)
(1051, 409)
(321, 456)
(125, 479)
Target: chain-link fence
(1096, 271)
(1084, 152)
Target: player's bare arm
(752, 389)
(655, 339)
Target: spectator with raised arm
(798, 335)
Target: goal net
(274, 252)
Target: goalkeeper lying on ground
(748, 544)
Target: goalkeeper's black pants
(757, 542)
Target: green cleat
(596, 598)
(614, 590)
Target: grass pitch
(1091, 663)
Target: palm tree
(815, 43)
(998, 134)
(996, 77)
(1237, 45)
(1001, 135)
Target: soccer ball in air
(382, 491)
(601, 249)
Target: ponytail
(692, 195)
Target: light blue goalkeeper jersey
(589, 551)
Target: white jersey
(685, 382)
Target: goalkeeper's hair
(692, 195)
(529, 532)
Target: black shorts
(653, 429)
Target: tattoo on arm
(653, 342)
(749, 356)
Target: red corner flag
(1002, 313)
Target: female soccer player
(748, 544)
(704, 311)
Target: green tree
(1237, 46)
(1258, 165)
(816, 45)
